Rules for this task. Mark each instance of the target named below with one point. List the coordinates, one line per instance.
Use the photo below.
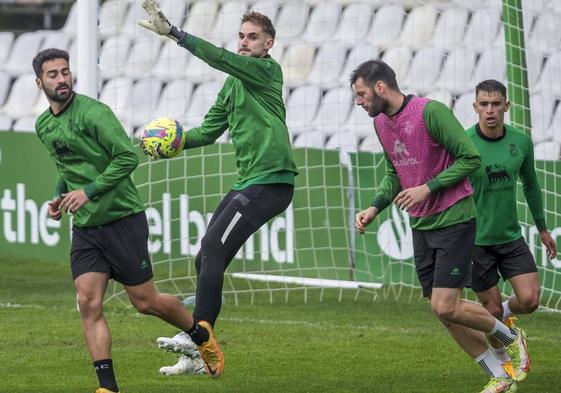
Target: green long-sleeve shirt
(504, 160)
(250, 105)
(445, 129)
(92, 151)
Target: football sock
(105, 375)
(502, 333)
(198, 334)
(491, 365)
(506, 310)
(501, 355)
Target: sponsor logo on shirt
(403, 158)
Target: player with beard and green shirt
(507, 154)
(94, 159)
(251, 107)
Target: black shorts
(510, 259)
(443, 256)
(119, 249)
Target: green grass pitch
(330, 346)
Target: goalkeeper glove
(158, 23)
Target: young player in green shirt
(251, 107)
(94, 159)
(507, 154)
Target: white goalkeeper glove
(157, 22)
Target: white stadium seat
(463, 109)
(347, 140)
(549, 82)
(143, 54)
(302, 106)
(488, 20)
(359, 121)
(113, 56)
(371, 144)
(71, 23)
(23, 51)
(130, 25)
(419, 26)
(327, 64)
(296, 63)
(355, 22)
(267, 7)
(54, 39)
(323, 22)
(310, 139)
(491, 65)
(116, 94)
(541, 113)
(359, 54)
(25, 124)
(399, 58)
(145, 96)
(334, 110)
(227, 24)
(441, 96)
(386, 25)
(111, 15)
(456, 75)
(201, 101)
(6, 41)
(22, 96)
(545, 37)
(201, 17)
(5, 84)
(450, 28)
(549, 150)
(172, 62)
(5, 123)
(292, 20)
(174, 99)
(424, 69)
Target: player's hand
(73, 201)
(364, 218)
(54, 210)
(409, 197)
(157, 21)
(549, 244)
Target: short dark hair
(490, 86)
(46, 55)
(260, 20)
(372, 71)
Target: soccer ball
(162, 138)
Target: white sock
(506, 310)
(491, 365)
(502, 333)
(501, 355)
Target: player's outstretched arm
(158, 22)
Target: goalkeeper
(507, 153)
(251, 107)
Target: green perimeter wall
(312, 239)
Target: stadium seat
(359, 121)
(145, 96)
(172, 62)
(450, 28)
(441, 96)
(456, 75)
(419, 26)
(553, 130)
(542, 106)
(386, 25)
(130, 26)
(113, 56)
(549, 150)
(22, 96)
(201, 17)
(227, 24)
(23, 51)
(71, 23)
(143, 54)
(549, 82)
(177, 9)
(545, 37)
(463, 109)
(399, 58)
(323, 22)
(334, 110)
(174, 99)
(116, 94)
(200, 72)
(347, 140)
(491, 65)
(327, 64)
(534, 64)
(424, 69)
(267, 7)
(291, 20)
(359, 54)
(25, 124)
(354, 24)
(6, 41)
(310, 139)
(111, 15)
(54, 39)
(302, 106)
(484, 19)
(296, 63)
(5, 123)
(40, 105)
(471, 4)
(371, 144)
(201, 101)
(5, 84)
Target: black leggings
(239, 215)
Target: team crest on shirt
(513, 150)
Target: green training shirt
(504, 160)
(250, 105)
(92, 151)
(445, 129)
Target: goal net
(438, 48)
